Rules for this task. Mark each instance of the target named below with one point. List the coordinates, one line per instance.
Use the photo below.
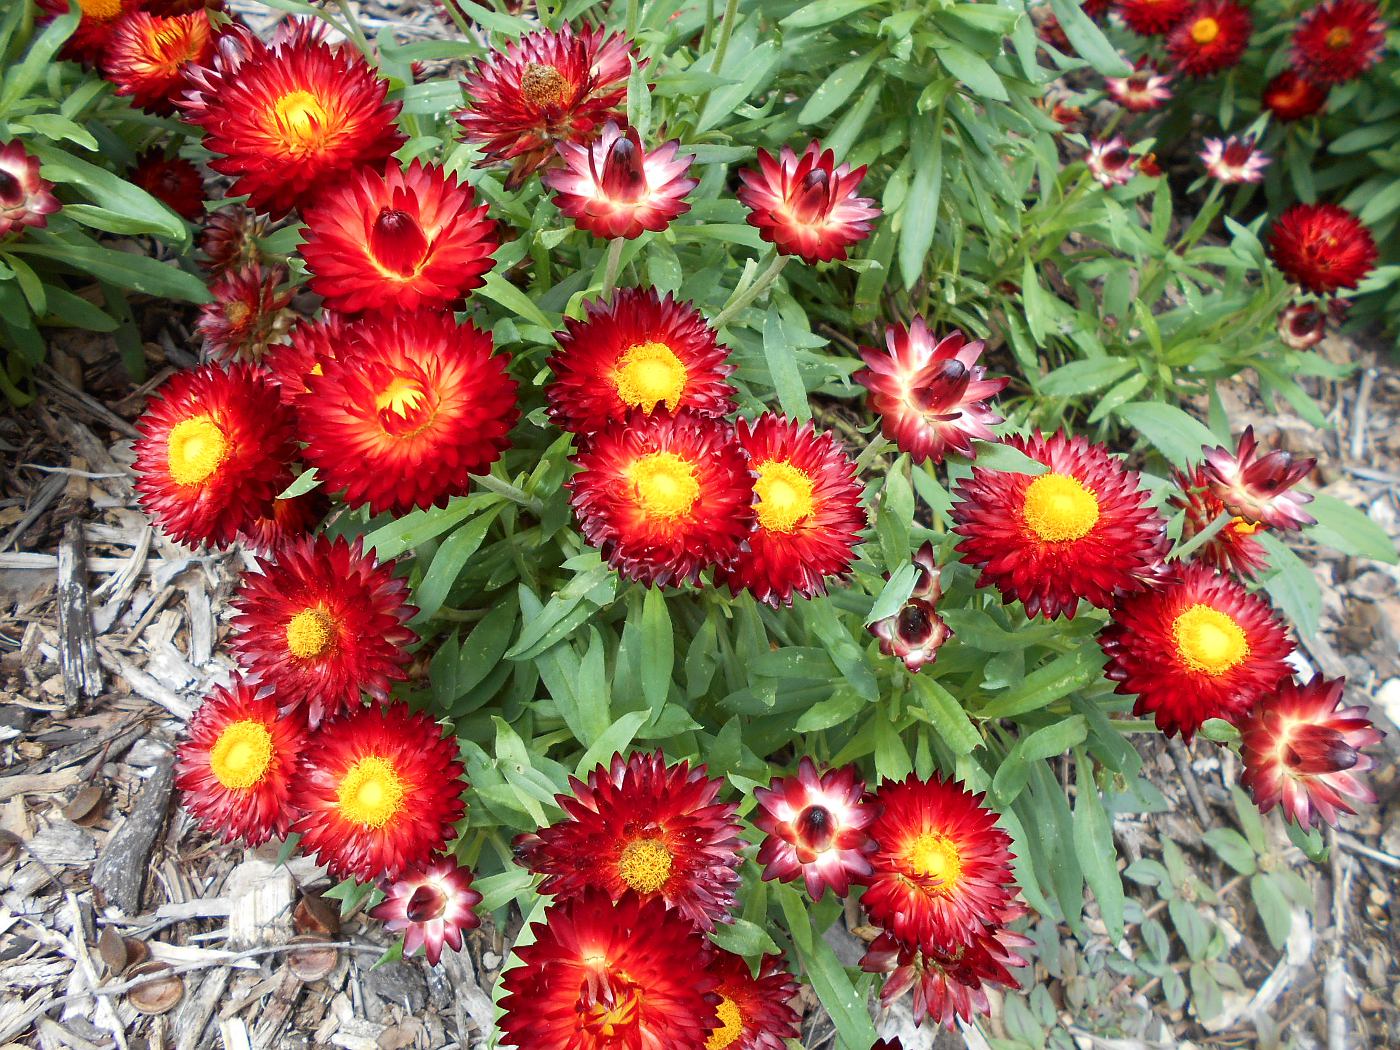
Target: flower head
(1322, 247)
(95, 25)
(1211, 37)
(1083, 529)
(229, 239)
(1144, 89)
(640, 827)
(1289, 97)
(1152, 17)
(663, 496)
(1236, 547)
(1301, 326)
(942, 866)
(1234, 160)
(1303, 749)
(379, 791)
(1338, 40)
(1195, 647)
(292, 119)
(548, 87)
(807, 506)
(615, 188)
(815, 825)
(26, 197)
(311, 346)
(400, 239)
(431, 905)
(289, 519)
(245, 315)
(755, 1012)
(916, 632)
(173, 181)
(322, 622)
(146, 55)
(234, 764)
(930, 394)
(416, 405)
(1260, 488)
(807, 206)
(214, 451)
(606, 976)
(636, 351)
(1110, 161)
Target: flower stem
(512, 492)
(1188, 548)
(726, 30)
(614, 264)
(741, 299)
(357, 33)
(873, 448)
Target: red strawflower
(146, 55)
(1110, 161)
(636, 351)
(916, 632)
(1147, 165)
(1234, 159)
(610, 976)
(1289, 97)
(1322, 247)
(807, 506)
(400, 240)
(431, 905)
(171, 180)
(289, 519)
(321, 623)
(807, 206)
(292, 119)
(379, 791)
(1235, 548)
(663, 496)
(1196, 646)
(815, 826)
(1302, 748)
(1301, 326)
(213, 454)
(1259, 488)
(234, 764)
(545, 88)
(1152, 17)
(755, 1013)
(229, 240)
(930, 394)
(98, 19)
(1338, 40)
(1082, 530)
(615, 188)
(310, 347)
(942, 866)
(1066, 116)
(639, 826)
(415, 405)
(26, 197)
(1212, 36)
(1144, 89)
(245, 315)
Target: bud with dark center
(397, 242)
(10, 191)
(1316, 749)
(816, 827)
(939, 389)
(426, 904)
(624, 178)
(812, 198)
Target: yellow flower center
(1240, 527)
(784, 496)
(645, 865)
(665, 484)
(1058, 507)
(730, 1027)
(101, 10)
(371, 792)
(240, 757)
(310, 633)
(1205, 30)
(1209, 641)
(400, 397)
(543, 85)
(301, 120)
(1339, 38)
(648, 374)
(195, 449)
(936, 857)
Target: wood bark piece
(120, 872)
(77, 649)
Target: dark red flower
(1235, 548)
(1152, 17)
(431, 905)
(755, 1012)
(289, 519)
(1211, 37)
(916, 632)
(26, 197)
(171, 180)
(1322, 247)
(1301, 326)
(1260, 488)
(98, 18)
(1338, 40)
(807, 206)
(229, 240)
(246, 314)
(1289, 97)
(147, 54)
(311, 346)
(615, 188)
(815, 827)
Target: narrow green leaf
(304, 483)
(658, 656)
(1094, 846)
(919, 215)
(615, 739)
(1088, 40)
(448, 563)
(1047, 684)
(946, 715)
(1349, 530)
(1178, 436)
(1046, 742)
(779, 352)
(896, 592)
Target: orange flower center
(310, 633)
(194, 449)
(370, 793)
(1209, 641)
(784, 496)
(665, 485)
(1058, 508)
(405, 407)
(301, 121)
(172, 43)
(645, 865)
(936, 857)
(1205, 30)
(101, 10)
(648, 374)
(1339, 38)
(543, 85)
(1240, 527)
(730, 1027)
(612, 1009)
(241, 756)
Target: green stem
(726, 30)
(357, 33)
(741, 299)
(872, 449)
(458, 18)
(632, 13)
(708, 33)
(514, 493)
(614, 264)
(1201, 538)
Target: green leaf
(1274, 910)
(1231, 847)
(946, 716)
(1094, 846)
(22, 77)
(1047, 684)
(483, 649)
(841, 707)
(744, 938)
(1178, 436)
(1292, 585)
(125, 270)
(304, 483)
(1047, 742)
(658, 656)
(1351, 531)
(895, 593)
(839, 86)
(822, 12)
(1088, 40)
(139, 211)
(419, 526)
(919, 215)
(834, 989)
(1084, 377)
(778, 351)
(993, 455)
(614, 740)
(448, 563)
(973, 71)
(501, 291)
(544, 630)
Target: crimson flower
(146, 55)
(1152, 17)
(229, 239)
(1110, 161)
(1236, 547)
(755, 1012)
(289, 519)
(807, 206)
(615, 188)
(245, 313)
(95, 25)
(1144, 89)
(26, 197)
(916, 632)
(1259, 488)
(431, 905)
(1322, 247)
(173, 181)
(310, 347)
(1211, 37)
(1234, 160)
(1290, 97)
(1301, 326)
(1338, 40)
(815, 826)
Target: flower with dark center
(815, 826)
(1259, 487)
(26, 197)
(807, 206)
(615, 188)
(1234, 159)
